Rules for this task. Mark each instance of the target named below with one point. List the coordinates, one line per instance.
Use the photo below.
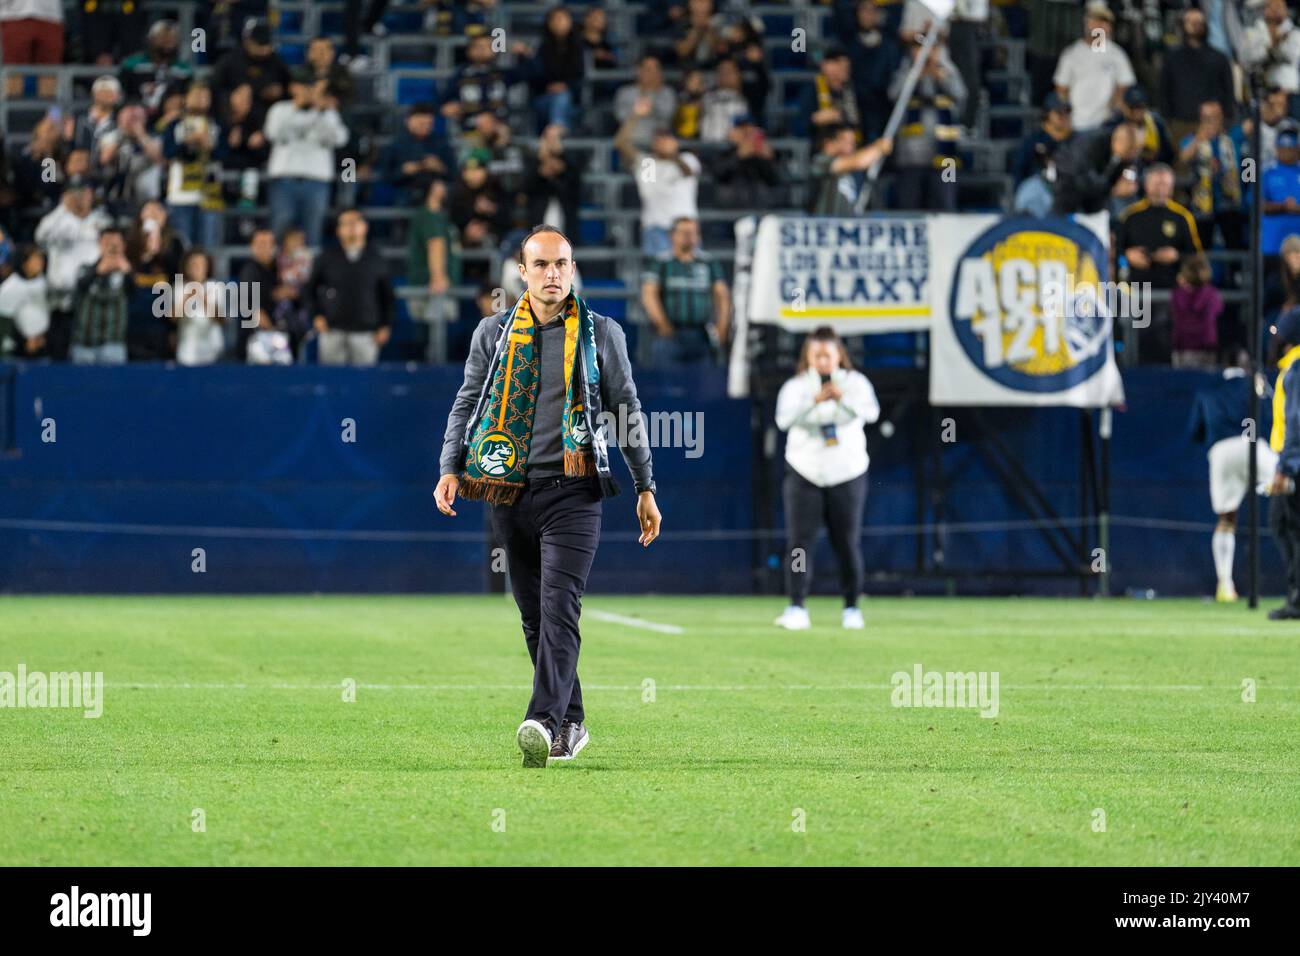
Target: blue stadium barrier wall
(150, 463)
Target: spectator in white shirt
(1274, 41)
(304, 132)
(25, 303)
(824, 410)
(1094, 71)
(667, 179)
(197, 312)
(69, 234)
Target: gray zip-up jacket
(617, 394)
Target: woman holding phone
(824, 409)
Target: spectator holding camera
(100, 304)
(195, 149)
(155, 250)
(303, 132)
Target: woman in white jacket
(197, 312)
(824, 409)
(24, 300)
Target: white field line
(1139, 688)
(611, 618)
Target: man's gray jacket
(619, 404)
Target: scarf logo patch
(496, 454)
(578, 425)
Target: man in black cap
(1284, 508)
(254, 62)
(1056, 129)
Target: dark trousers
(1284, 520)
(839, 507)
(924, 188)
(550, 535)
(356, 21)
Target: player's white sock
(1224, 543)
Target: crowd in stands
(181, 158)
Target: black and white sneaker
(569, 741)
(534, 743)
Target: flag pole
(896, 117)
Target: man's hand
(1278, 486)
(1166, 255)
(381, 336)
(320, 324)
(445, 495)
(647, 515)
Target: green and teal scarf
(497, 458)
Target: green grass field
(235, 706)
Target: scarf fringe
(579, 463)
(491, 490)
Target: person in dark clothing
(1284, 440)
(481, 84)
(350, 297)
(110, 31)
(478, 204)
(256, 63)
(1155, 232)
(417, 155)
(155, 251)
(1035, 149)
(355, 24)
(830, 101)
(545, 468)
(559, 67)
(1192, 74)
(553, 174)
(261, 272)
(1090, 165)
(746, 170)
(874, 52)
(326, 69)
(247, 149)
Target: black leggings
(807, 508)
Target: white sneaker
(794, 619)
(852, 619)
(534, 743)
